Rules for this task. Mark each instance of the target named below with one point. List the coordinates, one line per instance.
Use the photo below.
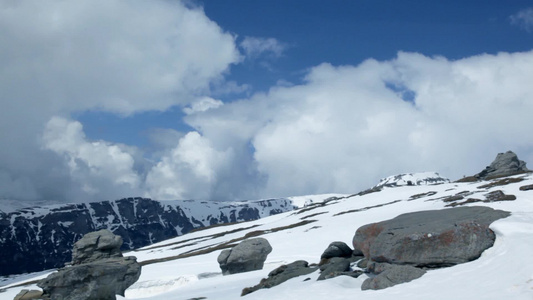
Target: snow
(504, 271)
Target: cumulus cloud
(345, 127)
(524, 19)
(256, 46)
(116, 56)
(97, 166)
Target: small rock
(337, 249)
(526, 187)
(335, 266)
(280, 275)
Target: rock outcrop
(435, 238)
(505, 164)
(98, 271)
(249, 255)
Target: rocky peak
(505, 164)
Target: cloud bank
(341, 130)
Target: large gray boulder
(387, 275)
(249, 255)
(96, 246)
(435, 238)
(98, 271)
(505, 164)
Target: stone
(334, 267)
(431, 239)
(28, 295)
(95, 246)
(249, 255)
(388, 275)
(526, 187)
(505, 164)
(98, 270)
(337, 249)
(280, 275)
(102, 280)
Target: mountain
(426, 178)
(40, 238)
(186, 267)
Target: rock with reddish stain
(435, 238)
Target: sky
(236, 100)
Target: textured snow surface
(504, 271)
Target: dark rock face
(505, 164)
(436, 238)
(388, 275)
(280, 275)
(249, 255)
(337, 249)
(98, 272)
(334, 267)
(41, 238)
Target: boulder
(337, 249)
(387, 275)
(435, 238)
(249, 255)
(505, 164)
(280, 275)
(98, 271)
(95, 246)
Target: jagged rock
(28, 295)
(99, 271)
(435, 238)
(96, 246)
(388, 275)
(505, 164)
(249, 255)
(337, 249)
(280, 275)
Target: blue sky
(231, 100)
(336, 32)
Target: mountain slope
(186, 267)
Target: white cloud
(202, 104)
(344, 128)
(524, 19)
(97, 166)
(188, 171)
(116, 56)
(256, 46)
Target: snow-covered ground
(504, 271)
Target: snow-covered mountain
(425, 178)
(186, 267)
(39, 238)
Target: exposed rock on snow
(249, 255)
(337, 249)
(435, 238)
(98, 271)
(280, 275)
(388, 275)
(505, 164)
